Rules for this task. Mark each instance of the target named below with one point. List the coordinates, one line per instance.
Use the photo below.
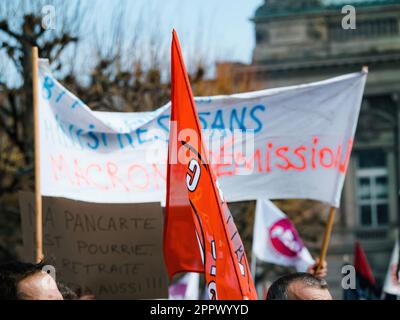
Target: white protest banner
(276, 240)
(392, 283)
(292, 142)
(113, 251)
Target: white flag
(186, 288)
(392, 285)
(276, 240)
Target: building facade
(304, 41)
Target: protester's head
(27, 281)
(299, 286)
(66, 292)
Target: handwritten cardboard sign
(113, 251)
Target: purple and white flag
(276, 240)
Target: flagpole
(327, 236)
(38, 196)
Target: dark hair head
(66, 292)
(12, 273)
(279, 289)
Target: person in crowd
(27, 281)
(299, 286)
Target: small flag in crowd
(392, 281)
(366, 288)
(199, 233)
(276, 240)
(186, 288)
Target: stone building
(304, 41)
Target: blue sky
(209, 31)
(220, 29)
(226, 24)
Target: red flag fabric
(361, 264)
(199, 232)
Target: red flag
(199, 233)
(361, 264)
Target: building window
(365, 29)
(372, 189)
(261, 36)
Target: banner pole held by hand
(327, 236)
(38, 196)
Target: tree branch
(4, 27)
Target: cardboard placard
(113, 251)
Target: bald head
(299, 286)
(38, 286)
(27, 281)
